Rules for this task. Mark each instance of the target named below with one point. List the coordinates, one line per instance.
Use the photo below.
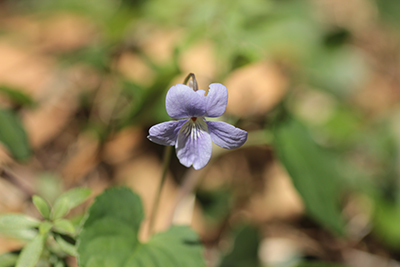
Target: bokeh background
(316, 84)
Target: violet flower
(192, 135)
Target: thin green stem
(166, 160)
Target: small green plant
(108, 236)
(50, 240)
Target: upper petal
(194, 146)
(225, 135)
(165, 133)
(216, 100)
(183, 102)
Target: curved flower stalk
(193, 135)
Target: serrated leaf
(109, 237)
(64, 226)
(66, 247)
(30, 254)
(313, 172)
(69, 200)
(17, 222)
(42, 206)
(13, 135)
(8, 259)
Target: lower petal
(194, 146)
(225, 135)
(165, 133)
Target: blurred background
(315, 83)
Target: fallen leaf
(135, 68)
(255, 89)
(120, 147)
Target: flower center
(193, 119)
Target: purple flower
(192, 135)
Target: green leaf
(45, 227)
(16, 95)
(76, 196)
(109, 237)
(61, 208)
(66, 247)
(22, 234)
(245, 249)
(68, 201)
(389, 11)
(64, 226)
(60, 263)
(385, 217)
(13, 135)
(30, 254)
(340, 71)
(8, 259)
(313, 172)
(17, 222)
(42, 206)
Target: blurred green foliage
(348, 152)
(13, 136)
(244, 252)
(313, 173)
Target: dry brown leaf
(58, 104)
(82, 159)
(134, 68)
(119, 148)
(21, 67)
(25, 28)
(279, 200)
(59, 32)
(76, 30)
(375, 101)
(4, 156)
(34, 74)
(44, 124)
(354, 15)
(200, 60)
(359, 258)
(9, 244)
(159, 45)
(255, 89)
(11, 198)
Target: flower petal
(194, 144)
(216, 100)
(225, 135)
(183, 102)
(165, 133)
